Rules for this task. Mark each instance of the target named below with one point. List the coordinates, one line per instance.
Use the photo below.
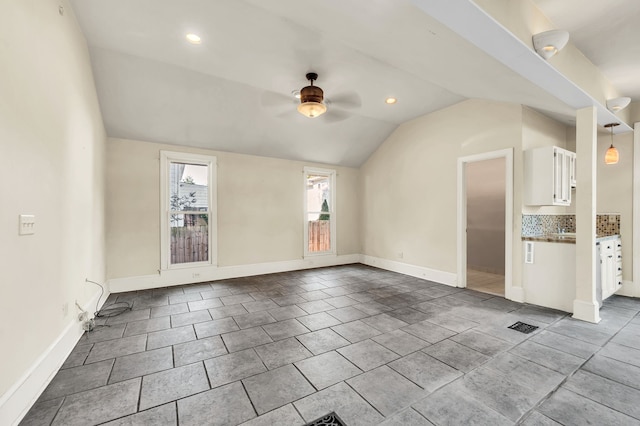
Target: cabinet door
(618, 263)
(608, 271)
(566, 177)
(572, 169)
(561, 177)
(558, 160)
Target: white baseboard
(434, 275)
(515, 293)
(17, 401)
(586, 311)
(211, 273)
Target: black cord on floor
(111, 310)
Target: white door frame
(635, 289)
(507, 154)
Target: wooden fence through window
(189, 244)
(319, 235)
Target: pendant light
(612, 156)
(311, 98)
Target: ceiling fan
(311, 98)
(313, 104)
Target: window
(319, 211)
(188, 200)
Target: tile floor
(485, 282)
(374, 346)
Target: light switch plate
(27, 225)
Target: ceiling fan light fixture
(548, 43)
(312, 109)
(612, 156)
(311, 98)
(617, 104)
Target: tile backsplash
(605, 226)
(536, 225)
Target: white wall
(51, 166)
(486, 188)
(409, 184)
(260, 208)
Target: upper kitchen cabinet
(549, 175)
(572, 169)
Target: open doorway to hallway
(485, 201)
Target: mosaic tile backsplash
(536, 225)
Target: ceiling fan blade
(272, 99)
(334, 116)
(277, 103)
(349, 100)
(290, 113)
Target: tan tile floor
(485, 282)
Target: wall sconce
(549, 43)
(612, 156)
(617, 104)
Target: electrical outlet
(612, 218)
(400, 255)
(196, 275)
(89, 325)
(65, 309)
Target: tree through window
(188, 201)
(319, 211)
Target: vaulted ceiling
(233, 92)
(607, 33)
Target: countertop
(566, 239)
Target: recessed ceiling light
(296, 94)
(391, 101)
(193, 38)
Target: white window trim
(166, 157)
(332, 211)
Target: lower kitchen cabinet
(610, 257)
(551, 280)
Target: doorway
(485, 218)
(485, 225)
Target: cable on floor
(111, 310)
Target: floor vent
(330, 419)
(523, 328)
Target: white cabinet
(551, 280)
(548, 176)
(572, 169)
(610, 266)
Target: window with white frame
(319, 211)
(188, 210)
